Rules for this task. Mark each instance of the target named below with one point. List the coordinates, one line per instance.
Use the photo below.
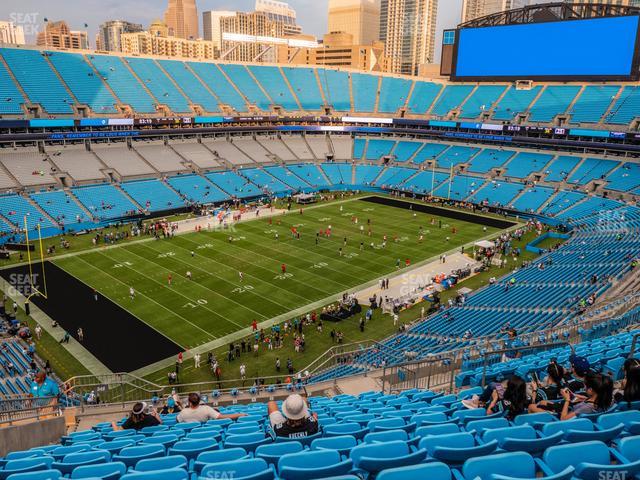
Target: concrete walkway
(408, 280)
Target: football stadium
(256, 260)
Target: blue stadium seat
(25, 465)
(37, 475)
(162, 463)
(219, 456)
(342, 444)
(312, 464)
(104, 471)
(582, 430)
(73, 460)
(375, 457)
(248, 441)
(38, 80)
(599, 460)
(246, 469)
(191, 85)
(81, 79)
(171, 474)
(132, 455)
(126, 87)
(432, 471)
(423, 96)
(504, 466)
(523, 438)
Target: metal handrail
(486, 355)
(28, 408)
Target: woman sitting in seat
(599, 390)
(630, 386)
(514, 401)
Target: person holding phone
(545, 395)
(141, 416)
(599, 391)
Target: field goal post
(33, 287)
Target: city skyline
(312, 14)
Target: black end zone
(114, 336)
(442, 212)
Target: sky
(312, 14)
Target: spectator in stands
(142, 416)
(514, 401)
(294, 421)
(599, 390)
(547, 394)
(630, 386)
(43, 386)
(513, 342)
(580, 368)
(198, 412)
(171, 407)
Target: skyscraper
(408, 30)
(211, 25)
(109, 33)
(181, 17)
(280, 12)
(472, 9)
(359, 18)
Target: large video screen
(601, 48)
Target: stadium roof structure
(552, 12)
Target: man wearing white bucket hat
(294, 421)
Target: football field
(216, 301)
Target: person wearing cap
(197, 412)
(580, 368)
(171, 406)
(294, 421)
(141, 416)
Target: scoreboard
(604, 48)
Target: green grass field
(216, 302)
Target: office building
(181, 18)
(408, 30)
(254, 37)
(359, 18)
(10, 33)
(58, 35)
(280, 12)
(337, 50)
(108, 37)
(472, 9)
(211, 25)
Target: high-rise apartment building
(11, 33)
(472, 9)
(109, 33)
(157, 41)
(58, 35)
(244, 37)
(359, 18)
(181, 17)
(408, 30)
